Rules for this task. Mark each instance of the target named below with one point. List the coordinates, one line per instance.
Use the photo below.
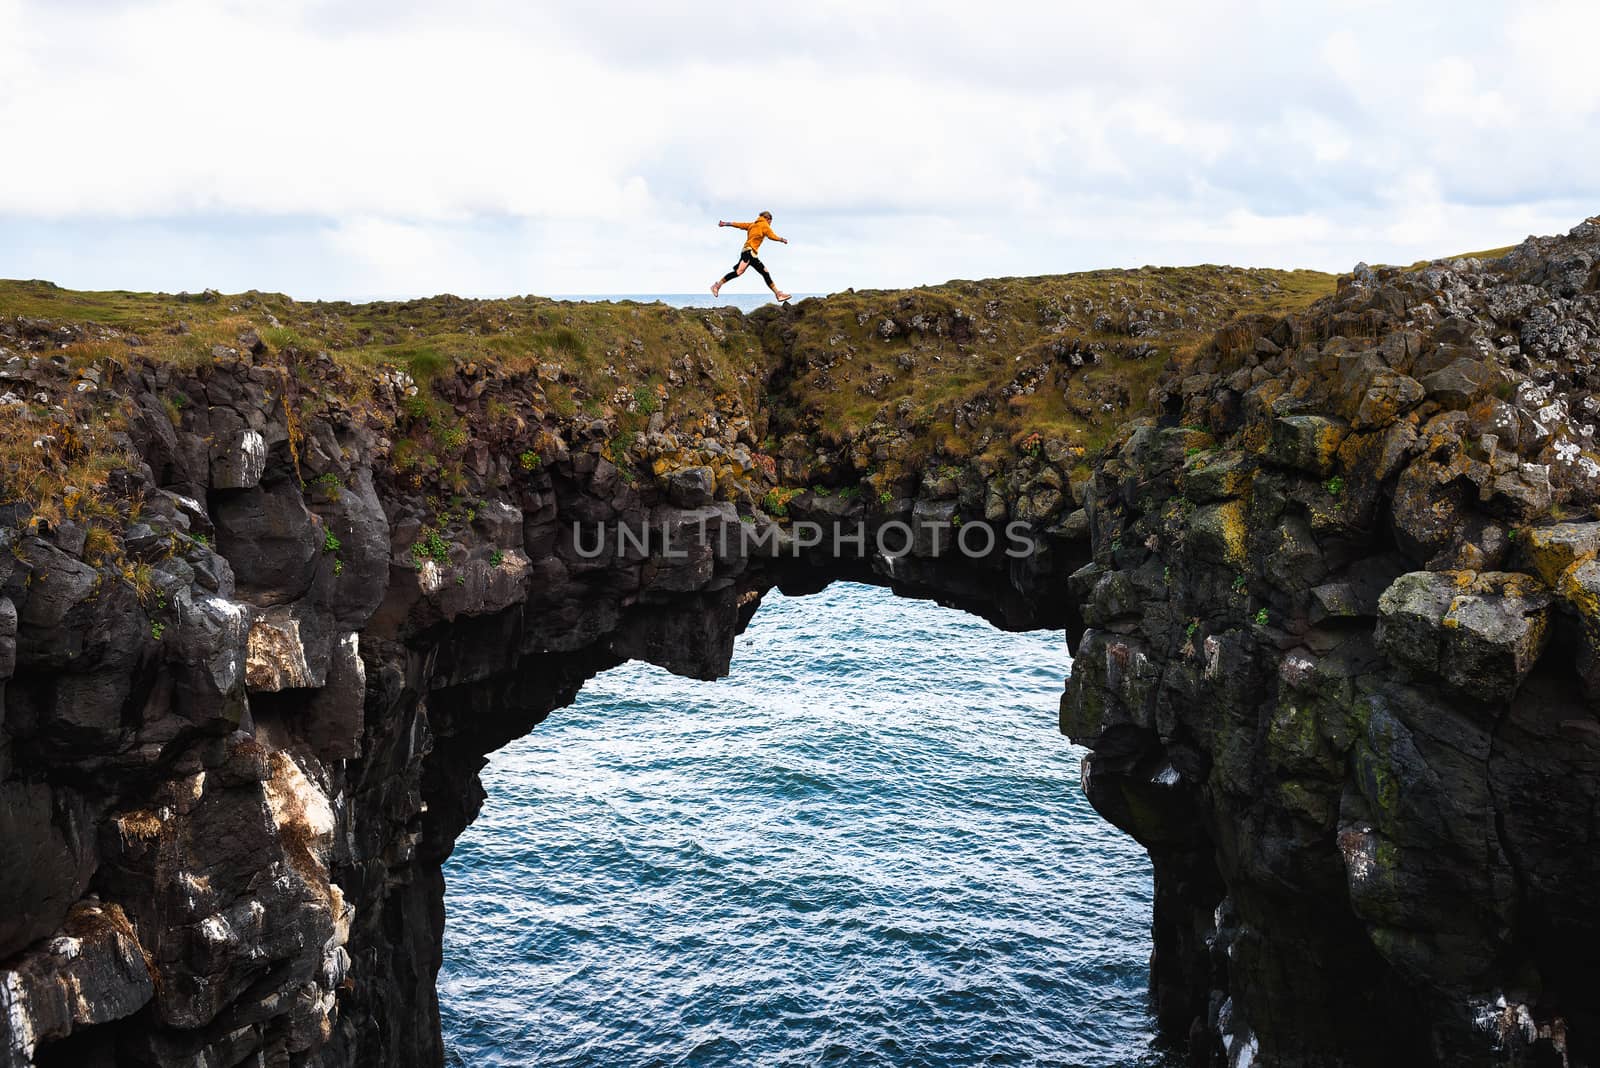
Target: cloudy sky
(485, 147)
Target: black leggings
(753, 260)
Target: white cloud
(357, 148)
(1452, 93)
(1553, 43)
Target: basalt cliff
(275, 577)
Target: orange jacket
(759, 230)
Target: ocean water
(867, 846)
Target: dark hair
(766, 215)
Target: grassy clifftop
(592, 346)
(976, 368)
(556, 362)
(880, 387)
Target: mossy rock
(1294, 742)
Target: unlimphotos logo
(678, 539)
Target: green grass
(822, 370)
(283, 337)
(422, 362)
(562, 339)
(590, 346)
(979, 338)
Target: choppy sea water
(868, 846)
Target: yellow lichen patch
(1220, 532)
(1514, 584)
(1327, 441)
(1235, 530)
(1554, 550)
(1583, 596)
(1254, 438)
(1188, 437)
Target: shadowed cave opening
(867, 845)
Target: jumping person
(758, 231)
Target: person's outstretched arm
(742, 226)
(775, 237)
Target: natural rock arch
(690, 634)
(810, 603)
(1336, 589)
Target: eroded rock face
(1336, 661)
(1340, 673)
